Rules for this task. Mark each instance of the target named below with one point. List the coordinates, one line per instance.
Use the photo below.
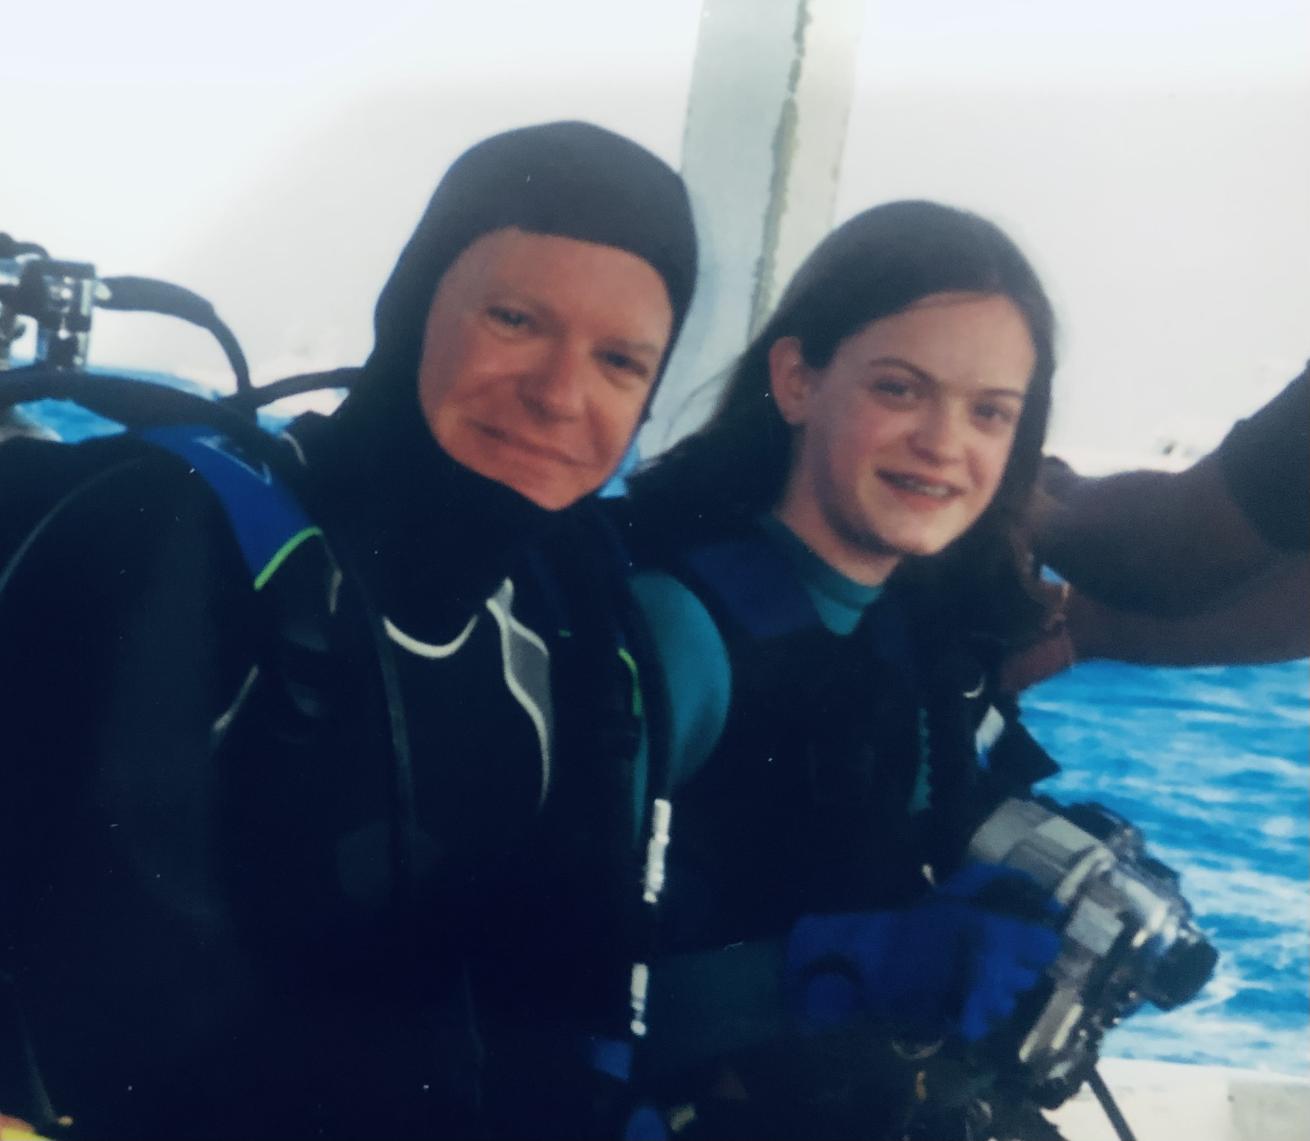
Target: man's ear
(789, 379)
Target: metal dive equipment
(60, 296)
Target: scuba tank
(256, 477)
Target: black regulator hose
(11, 247)
(146, 295)
(139, 404)
(253, 397)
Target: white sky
(272, 155)
(1152, 157)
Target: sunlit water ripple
(1214, 766)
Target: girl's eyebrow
(898, 362)
(928, 378)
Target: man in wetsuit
(341, 844)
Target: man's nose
(555, 385)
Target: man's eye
(628, 365)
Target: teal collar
(840, 601)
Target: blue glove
(945, 965)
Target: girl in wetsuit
(832, 564)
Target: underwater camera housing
(1128, 934)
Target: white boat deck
(1164, 1101)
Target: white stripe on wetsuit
(433, 651)
(527, 668)
(525, 661)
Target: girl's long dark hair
(877, 264)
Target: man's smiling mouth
(531, 447)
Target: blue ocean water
(1214, 766)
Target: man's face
(538, 358)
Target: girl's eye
(992, 411)
(995, 415)
(894, 388)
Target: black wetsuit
(848, 759)
(198, 869)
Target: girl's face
(902, 439)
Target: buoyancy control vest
(847, 763)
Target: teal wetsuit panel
(694, 662)
(710, 1004)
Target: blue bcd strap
(268, 522)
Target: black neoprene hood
(379, 471)
(572, 180)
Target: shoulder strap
(270, 526)
(979, 752)
(633, 699)
(747, 579)
(1015, 760)
(267, 520)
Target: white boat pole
(766, 124)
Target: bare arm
(1206, 566)
(1225, 535)
(1267, 621)
(1167, 544)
